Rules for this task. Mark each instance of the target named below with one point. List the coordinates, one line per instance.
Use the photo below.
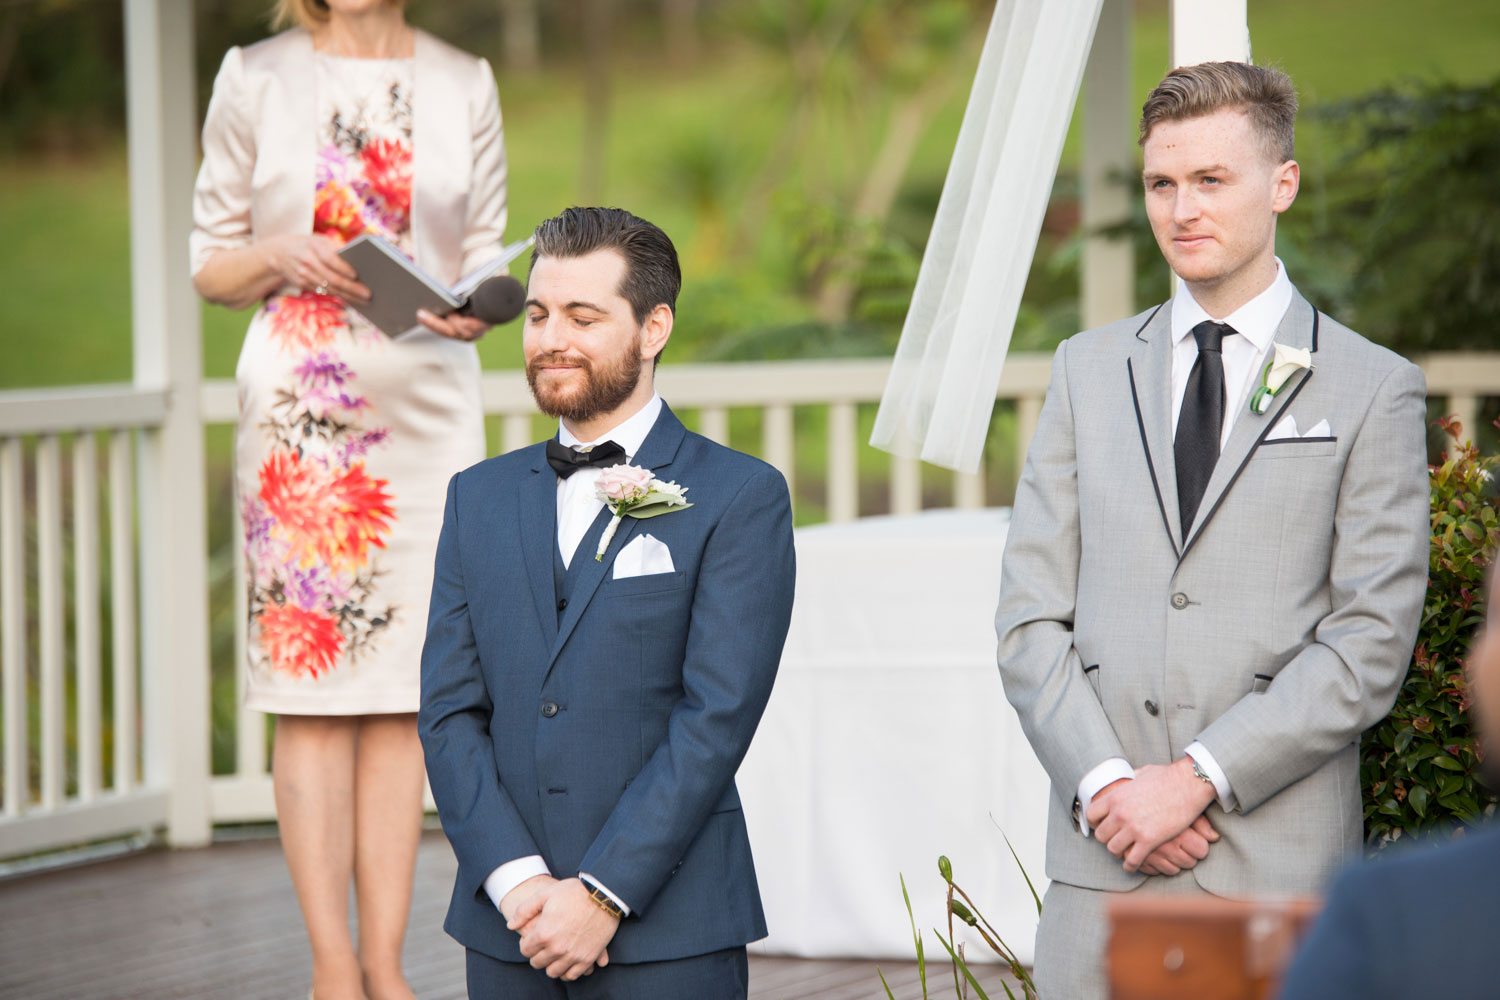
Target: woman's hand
(312, 262)
(465, 328)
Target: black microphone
(496, 300)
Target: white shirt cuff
(605, 889)
(1215, 773)
(1093, 783)
(511, 874)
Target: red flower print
(388, 172)
(307, 320)
(332, 518)
(299, 500)
(298, 642)
(336, 212)
(363, 513)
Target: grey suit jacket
(1275, 629)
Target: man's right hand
(521, 893)
(1183, 851)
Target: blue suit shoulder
(735, 465)
(1423, 900)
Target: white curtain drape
(941, 392)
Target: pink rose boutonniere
(633, 491)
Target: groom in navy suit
(587, 697)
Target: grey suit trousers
(1073, 934)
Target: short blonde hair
(307, 14)
(1265, 94)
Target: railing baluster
(713, 423)
(843, 462)
(49, 559)
(906, 485)
(13, 624)
(517, 432)
(968, 489)
(1465, 407)
(122, 621)
(86, 610)
(250, 727)
(1028, 414)
(777, 441)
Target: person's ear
(656, 331)
(1285, 183)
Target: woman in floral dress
(351, 123)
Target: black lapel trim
(1270, 426)
(1315, 330)
(1148, 321)
(1140, 422)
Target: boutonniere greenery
(631, 491)
(1285, 362)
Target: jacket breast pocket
(1320, 447)
(638, 586)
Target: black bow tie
(566, 461)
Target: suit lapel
(1150, 371)
(657, 454)
(1299, 328)
(538, 506)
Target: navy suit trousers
(720, 975)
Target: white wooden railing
(64, 452)
(61, 433)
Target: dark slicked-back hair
(653, 276)
(1265, 94)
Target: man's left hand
(1143, 814)
(565, 932)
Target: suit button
(562, 605)
(549, 709)
(1179, 601)
(1151, 708)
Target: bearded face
(574, 387)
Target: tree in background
(1413, 220)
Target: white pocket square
(646, 555)
(1286, 430)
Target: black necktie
(567, 461)
(1200, 423)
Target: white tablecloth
(888, 741)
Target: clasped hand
(563, 931)
(1155, 822)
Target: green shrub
(1421, 766)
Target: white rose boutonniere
(632, 490)
(1285, 362)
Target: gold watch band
(604, 902)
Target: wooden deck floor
(223, 922)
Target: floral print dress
(347, 439)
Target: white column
(1108, 267)
(162, 124)
(1209, 31)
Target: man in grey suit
(1218, 554)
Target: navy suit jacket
(605, 737)
(1422, 924)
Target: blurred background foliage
(796, 153)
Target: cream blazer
(260, 140)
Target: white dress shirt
(578, 505)
(1245, 355)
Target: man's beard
(605, 387)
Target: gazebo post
(1209, 31)
(1107, 270)
(160, 104)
